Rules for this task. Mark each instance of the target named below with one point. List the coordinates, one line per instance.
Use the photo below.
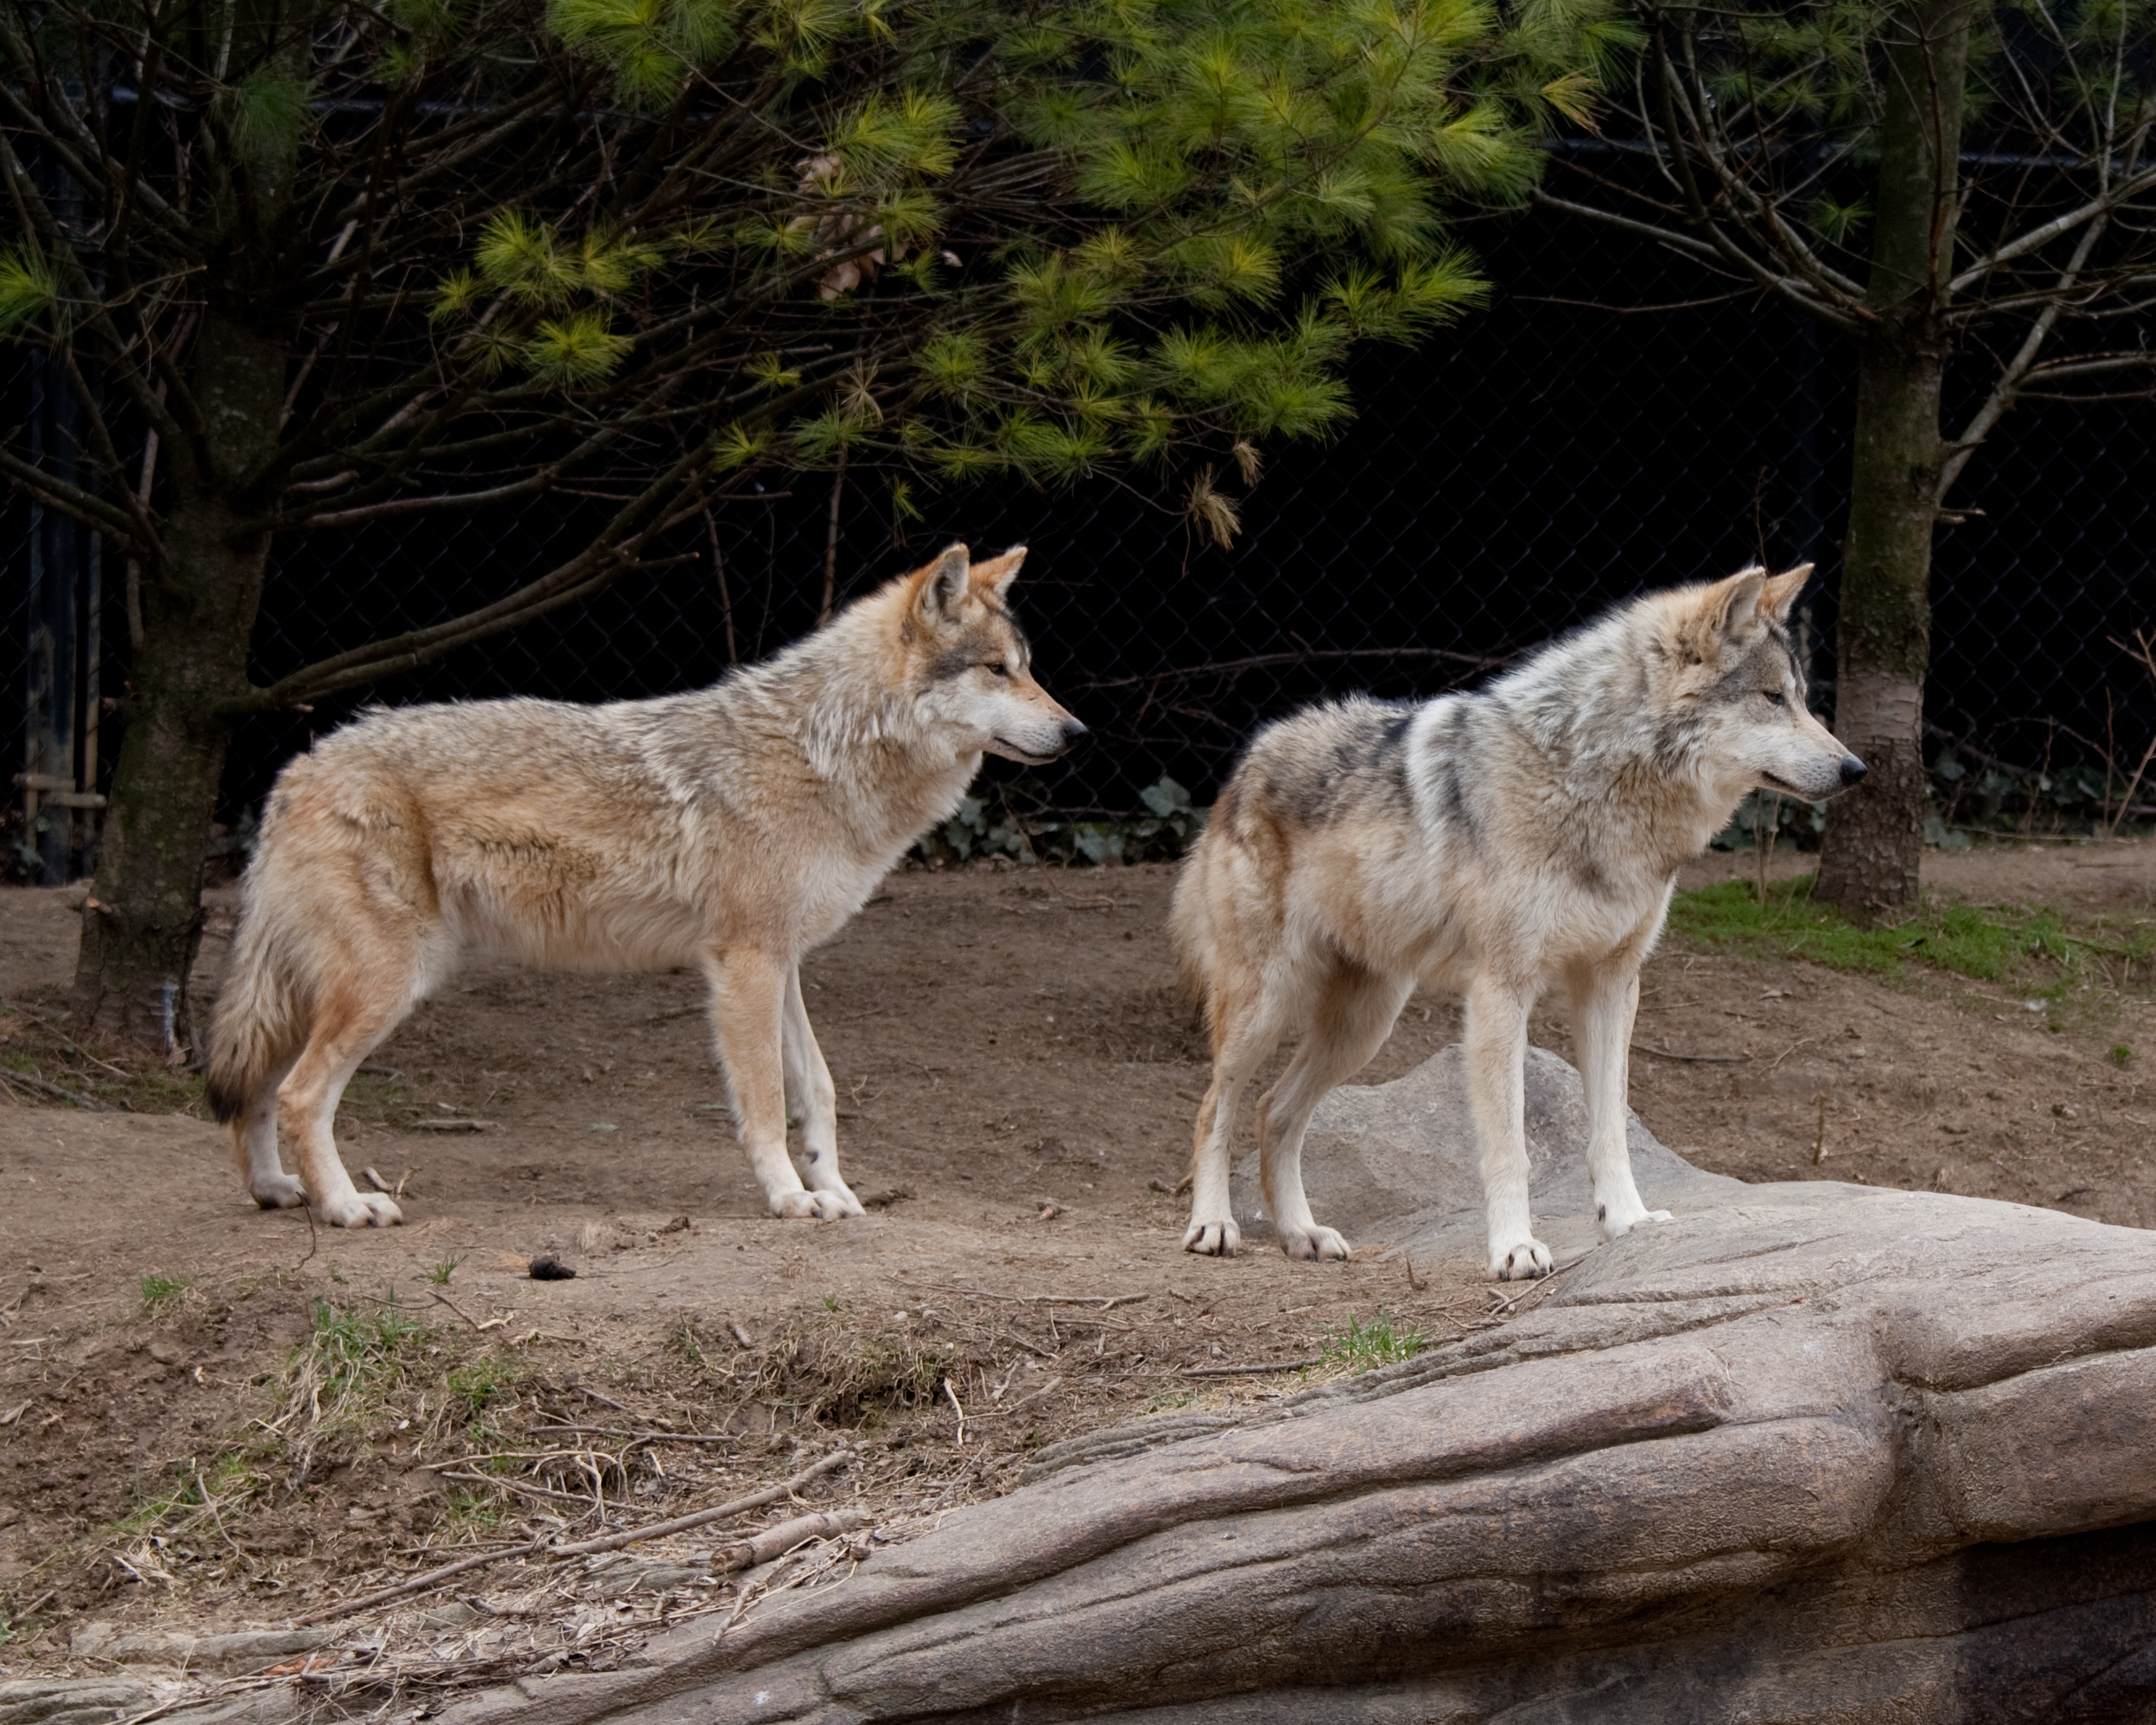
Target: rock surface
(1808, 1453)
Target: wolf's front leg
(1497, 1048)
(811, 1094)
(1603, 1004)
(748, 1012)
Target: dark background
(1608, 425)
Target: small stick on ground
(90, 1103)
(1106, 1303)
(1819, 1138)
(1291, 1365)
(681, 1524)
(775, 1542)
(432, 1578)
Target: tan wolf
(734, 828)
(1495, 844)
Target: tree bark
(1874, 842)
(143, 920)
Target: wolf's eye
(1773, 697)
(998, 669)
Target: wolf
(734, 828)
(1494, 843)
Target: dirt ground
(1017, 1078)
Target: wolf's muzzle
(1852, 769)
(1070, 734)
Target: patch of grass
(2121, 1054)
(1364, 1347)
(478, 1384)
(1989, 946)
(440, 1273)
(833, 1368)
(162, 1294)
(36, 1040)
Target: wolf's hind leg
(364, 1008)
(810, 1093)
(1354, 1013)
(1603, 1004)
(1497, 1048)
(749, 1014)
(254, 1147)
(1247, 1024)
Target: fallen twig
(50, 1088)
(510, 1484)
(775, 1542)
(646, 1437)
(430, 1579)
(1670, 1054)
(1106, 1303)
(1292, 1365)
(681, 1524)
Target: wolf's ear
(941, 587)
(1781, 591)
(998, 573)
(1720, 612)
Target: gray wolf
(1495, 844)
(733, 829)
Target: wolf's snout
(1852, 769)
(1075, 733)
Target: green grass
(1989, 946)
(478, 1384)
(163, 1293)
(1364, 1347)
(441, 1272)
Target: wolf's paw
(277, 1192)
(820, 1206)
(1314, 1244)
(1526, 1261)
(848, 1204)
(1219, 1238)
(1615, 1227)
(360, 1210)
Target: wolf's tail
(1189, 931)
(261, 1016)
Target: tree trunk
(1868, 867)
(144, 919)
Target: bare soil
(1017, 1076)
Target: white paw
(1524, 1262)
(360, 1210)
(277, 1192)
(842, 1195)
(1616, 1225)
(820, 1206)
(1219, 1238)
(1314, 1244)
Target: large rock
(1808, 1452)
(1398, 1163)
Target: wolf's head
(971, 663)
(1734, 664)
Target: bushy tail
(1189, 930)
(261, 1016)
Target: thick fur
(734, 828)
(1496, 844)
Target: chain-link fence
(1614, 421)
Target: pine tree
(310, 263)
